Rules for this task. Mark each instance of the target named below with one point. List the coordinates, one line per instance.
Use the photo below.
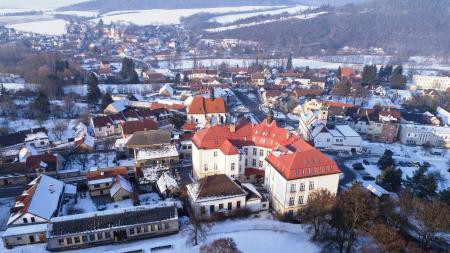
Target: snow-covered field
(47, 27)
(233, 27)
(166, 16)
(88, 14)
(262, 235)
(224, 19)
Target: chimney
(211, 93)
(233, 128)
(270, 116)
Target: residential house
(207, 110)
(40, 201)
(336, 138)
(47, 164)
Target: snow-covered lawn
(47, 27)
(167, 16)
(224, 19)
(262, 235)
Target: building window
(25, 220)
(300, 200)
(92, 237)
(159, 226)
(77, 239)
(261, 152)
(152, 227)
(84, 238)
(246, 151)
(254, 163)
(230, 205)
(138, 230)
(32, 219)
(215, 166)
(246, 162)
(293, 186)
(145, 229)
(107, 234)
(311, 185)
(69, 240)
(99, 236)
(220, 206)
(211, 209)
(254, 151)
(260, 164)
(202, 210)
(238, 204)
(60, 241)
(232, 166)
(302, 187)
(205, 166)
(131, 231)
(215, 153)
(166, 225)
(291, 201)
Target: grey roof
(149, 138)
(110, 220)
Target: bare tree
(59, 128)
(198, 227)
(222, 245)
(387, 239)
(319, 208)
(69, 105)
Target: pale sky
(37, 4)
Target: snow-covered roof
(101, 181)
(374, 188)
(36, 136)
(167, 88)
(347, 131)
(120, 183)
(150, 174)
(153, 153)
(119, 105)
(165, 182)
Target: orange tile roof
(201, 105)
(266, 135)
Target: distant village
(146, 139)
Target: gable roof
(202, 105)
(35, 161)
(215, 186)
(131, 127)
(149, 138)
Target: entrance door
(120, 235)
(31, 238)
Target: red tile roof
(292, 149)
(94, 175)
(34, 162)
(102, 121)
(338, 104)
(189, 126)
(201, 105)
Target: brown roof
(149, 138)
(35, 160)
(217, 186)
(94, 175)
(101, 121)
(201, 105)
(307, 92)
(130, 127)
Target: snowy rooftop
(153, 153)
(23, 230)
(120, 183)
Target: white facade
(341, 138)
(432, 82)
(420, 135)
(216, 118)
(288, 196)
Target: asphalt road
(252, 105)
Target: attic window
(296, 172)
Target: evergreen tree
(422, 184)
(106, 100)
(381, 74)
(128, 73)
(369, 74)
(387, 72)
(398, 70)
(289, 63)
(386, 161)
(93, 91)
(391, 179)
(41, 106)
(398, 81)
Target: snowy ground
(261, 234)
(167, 16)
(47, 27)
(224, 19)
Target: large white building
(432, 82)
(436, 136)
(272, 155)
(336, 138)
